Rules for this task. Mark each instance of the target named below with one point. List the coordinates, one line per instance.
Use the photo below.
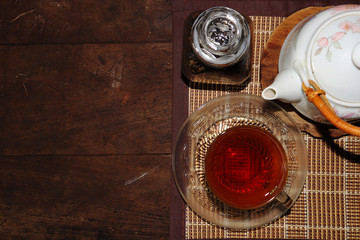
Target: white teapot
(319, 63)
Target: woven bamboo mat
(329, 205)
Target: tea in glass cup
(239, 161)
(246, 167)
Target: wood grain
(86, 99)
(91, 21)
(84, 197)
(85, 119)
(269, 70)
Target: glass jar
(217, 47)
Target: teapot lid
(335, 56)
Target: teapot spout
(286, 87)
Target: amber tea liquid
(246, 167)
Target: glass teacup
(240, 161)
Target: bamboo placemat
(329, 205)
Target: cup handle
(285, 200)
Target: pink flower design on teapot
(334, 40)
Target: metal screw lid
(220, 36)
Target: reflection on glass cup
(240, 161)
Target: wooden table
(85, 119)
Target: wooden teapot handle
(317, 97)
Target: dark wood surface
(85, 119)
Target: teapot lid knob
(356, 55)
